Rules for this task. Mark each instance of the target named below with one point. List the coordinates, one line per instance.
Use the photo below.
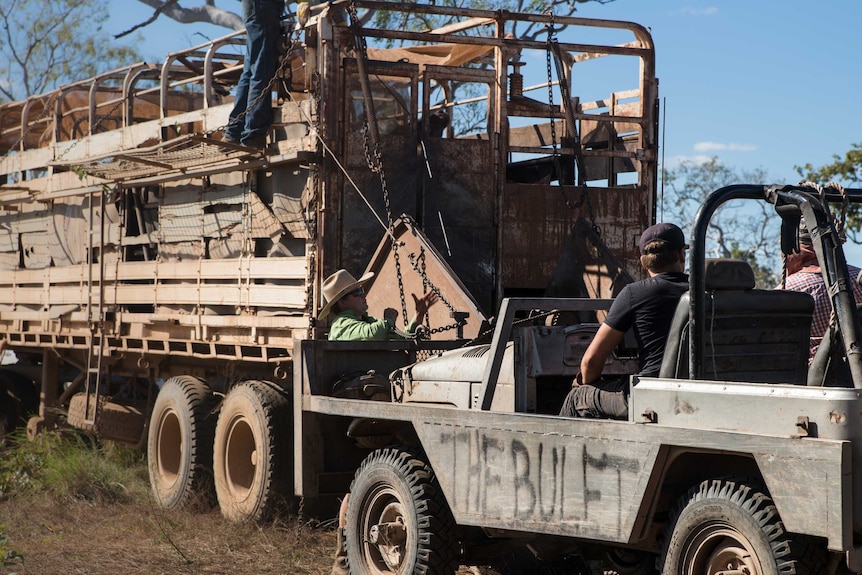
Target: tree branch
(207, 13)
(149, 20)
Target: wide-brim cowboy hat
(337, 286)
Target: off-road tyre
(252, 454)
(733, 525)
(179, 443)
(396, 486)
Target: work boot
(340, 566)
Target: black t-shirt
(648, 307)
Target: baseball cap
(669, 236)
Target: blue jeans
(263, 25)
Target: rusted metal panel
(458, 215)
(385, 291)
(536, 224)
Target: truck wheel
(726, 526)
(397, 518)
(252, 454)
(179, 443)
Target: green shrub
(72, 466)
(9, 556)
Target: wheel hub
(388, 536)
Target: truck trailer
(157, 278)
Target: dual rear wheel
(237, 452)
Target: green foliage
(744, 230)
(72, 466)
(846, 171)
(46, 43)
(9, 556)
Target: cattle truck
(156, 278)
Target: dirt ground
(82, 539)
(78, 538)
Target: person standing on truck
(803, 275)
(647, 307)
(251, 116)
(345, 297)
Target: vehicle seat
(750, 335)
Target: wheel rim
(719, 549)
(170, 446)
(383, 527)
(240, 458)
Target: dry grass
(132, 539)
(71, 506)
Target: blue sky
(764, 83)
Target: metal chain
(427, 281)
(310, 211)
(298, 531)
(373, 156)
(549, 27)
(530, 319)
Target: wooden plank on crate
(278, 268)
(230, 270)
(286, 268)
(233, 321)
(284, 297)
(277, 296)
(207, 294)
(27, 160)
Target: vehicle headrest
(726, 273)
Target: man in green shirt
(345, 298)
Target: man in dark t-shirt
(646, 307)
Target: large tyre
(727, 526)
(179, 444)
(397, 518)
(252, 455)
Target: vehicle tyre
(179, 443)
(252, 455)
(724, 525)
(397, 518)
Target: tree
(530, 31)
(744, 230)
(209, 13)
(46, 43)
(846, 171)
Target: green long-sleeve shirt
(348, 327)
